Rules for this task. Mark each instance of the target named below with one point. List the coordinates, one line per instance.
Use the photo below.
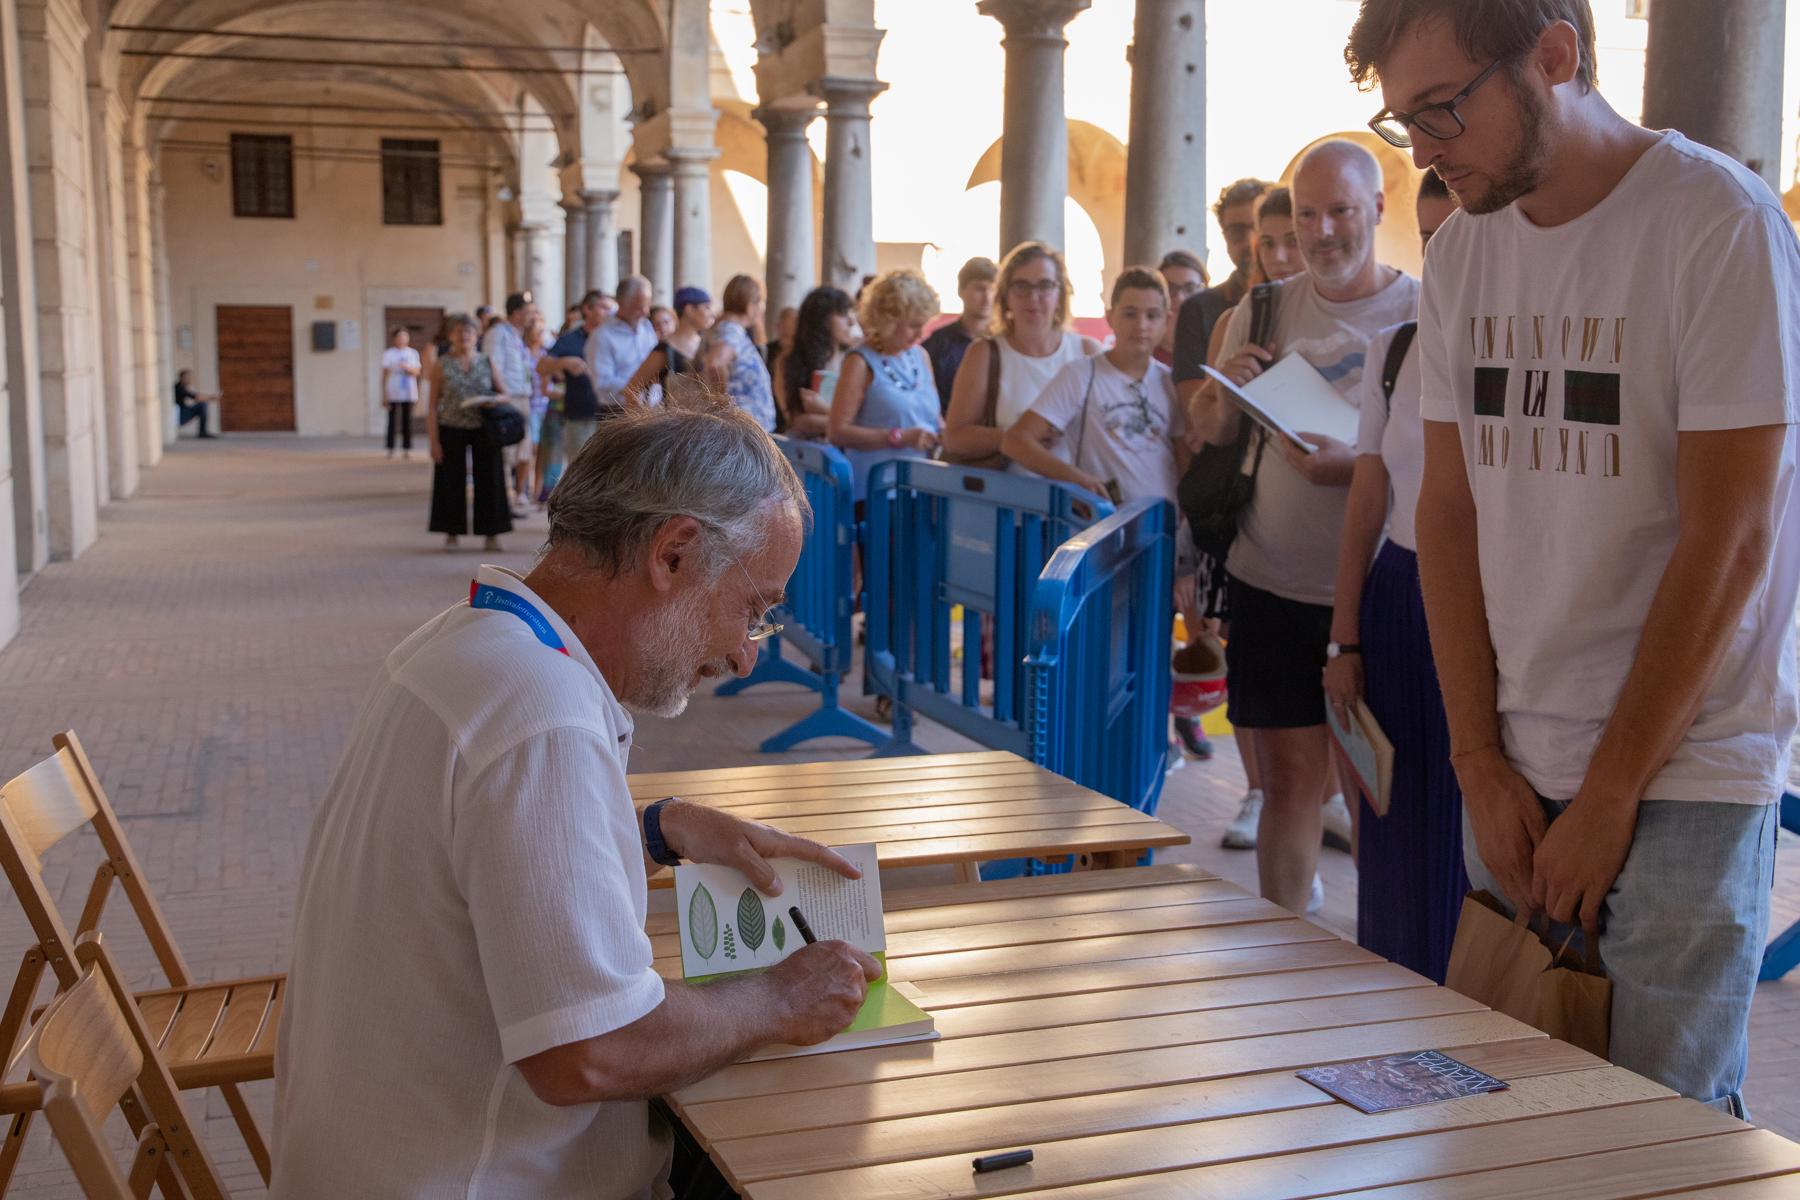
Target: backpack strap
(1396, 359)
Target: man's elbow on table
(598, 1069)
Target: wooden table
(1140, 1029)
(940, 808)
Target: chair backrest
(87, 1052)
(41, 807)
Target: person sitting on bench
(189, 404)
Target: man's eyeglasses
(1440, 122)
(761, 628)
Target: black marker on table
(999, 1162)
(806, 933)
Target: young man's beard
(1523, 172)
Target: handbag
(1217, 488)
(1507, 965)
(502, 425)
(990, 416)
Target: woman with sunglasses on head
(1004, 373)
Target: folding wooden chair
(91, 1052)
(210, 1034)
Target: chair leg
(12, 1147)
(246, 1123)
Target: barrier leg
(901, 742)
(1783, 954)
(830, 720)
(771, 668)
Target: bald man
(1282, 566)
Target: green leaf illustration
(752, 923)
(730, 946)
(703, 922)
(780, 935)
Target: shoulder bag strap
(1396, 359)
(1086, 399)
(990, 412)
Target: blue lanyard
(486, 595)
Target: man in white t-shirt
(1282, 566)
(1110, 423)
(400, 371)
(472, 1009)
(1607, 519)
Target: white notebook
(1291, 398)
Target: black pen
(999, 1162)
(806, 933)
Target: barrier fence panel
(1098, 658)
(815, 614)
(939, 537)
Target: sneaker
(1337, 823)
(1192, 740)
(208, 436)
(1316, 900)
(1241, 833)
(491, 546)
(1174, 761)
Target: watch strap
(654, 845)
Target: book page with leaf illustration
(728, 926)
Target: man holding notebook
(472, 1008)
(1283, 564)
(1607, 522)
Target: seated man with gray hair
(471, 1008)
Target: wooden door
(256, 368)
(420, 323)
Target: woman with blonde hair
(886, 404)
(1004, 373)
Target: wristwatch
(654, 846)
(1339, 649)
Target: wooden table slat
(956, 895)
(918, 1095)
(894, 792)
(799, 814)
(1262, 1135)
(895, 832)
(982, 1130)
(919, 765)
(1618, 1174)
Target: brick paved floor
(211, 650)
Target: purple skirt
(1410, 877)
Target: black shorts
(1275, 660)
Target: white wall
(333, 261)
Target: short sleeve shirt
(1391, 430)
(1288, 540)
(1116, 427)
(1571, 359)
(473, 894)
(401, 387)
(580, 401)
(748, 384)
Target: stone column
(1034, 152)
(849, 190)
(1713, 70)
(52, 40)
(692, 171)
(531, 259)
(575, 256)
(789, 267)
(656, 229)
(1165, 167)
(602, 242)
(29, 521)
(515, 278)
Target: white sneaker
(1241, 833)
(1337, 823)
(1316, 900)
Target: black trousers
(465, 453)
(399, 422)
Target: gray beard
(665, 648)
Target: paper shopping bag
(1506, 965)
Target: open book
(1366, 754)
(728, 927)
(1291, 398)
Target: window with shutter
(410, 186)
(262, 175)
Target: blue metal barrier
(940, 536)
(1098, 665)
(816, 611)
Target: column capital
(655, 169)
(596, 197)
(1033, 18)
(845, 94)
(689, 158)
(571, 205)
(781, 121)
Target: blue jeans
(1682, 934)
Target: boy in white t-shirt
(1607, 518)
(1110, 423)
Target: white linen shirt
(473, 894)
(506, 346)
